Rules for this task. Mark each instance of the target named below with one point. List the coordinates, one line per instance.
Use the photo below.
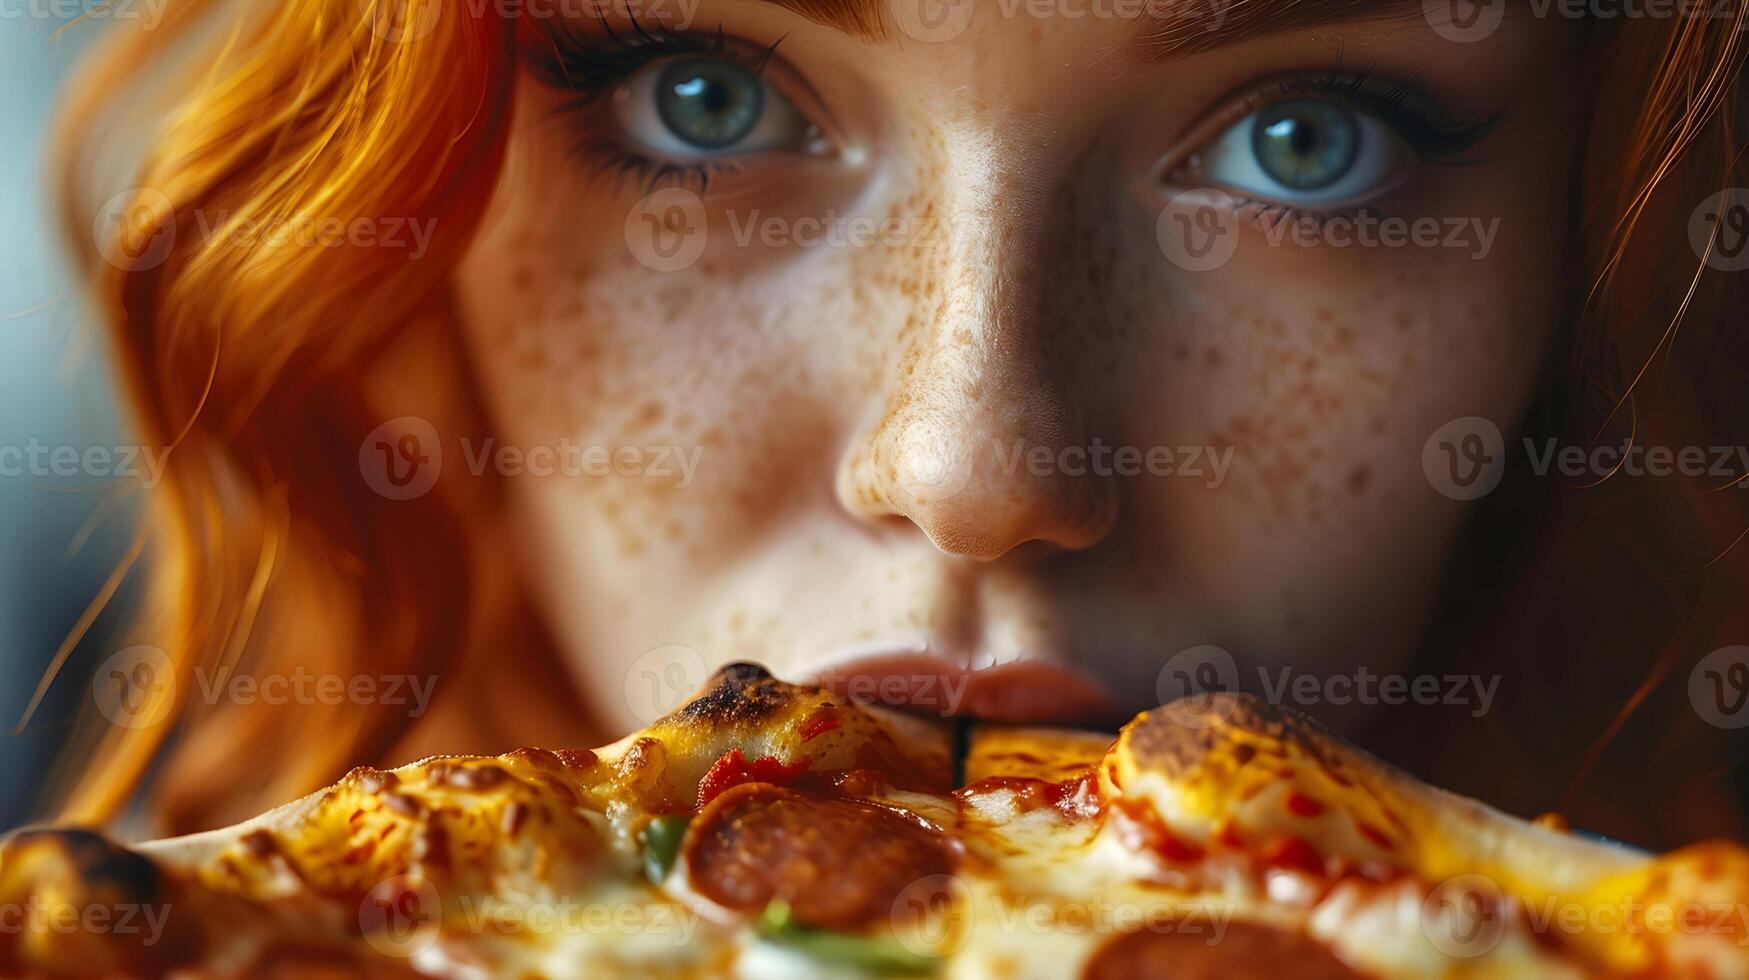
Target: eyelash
(592, 67)
(1401, 104)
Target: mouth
(1032, 692)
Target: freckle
(1037, 34)
(1357, 480)
(1211, 357)
(1403, 321)
(1325, 315)
(1378, 424)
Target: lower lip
(1026, 692)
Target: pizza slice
(766, 830)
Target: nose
(980, 442)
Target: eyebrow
(1185, 26)
(1195, 28)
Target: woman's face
(989, 356)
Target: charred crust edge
(99, 861)
(740, 692)
(1176, 738)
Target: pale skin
(1028, 307)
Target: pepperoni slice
(840, 864)
(1242, 951)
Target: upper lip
(1023, 691)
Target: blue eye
(709, 103)
(690, 107)
(1307, 145)
(1306, 151)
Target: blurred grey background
(55, 390)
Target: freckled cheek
(765, 376)
(1324, 386)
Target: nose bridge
(977, 401)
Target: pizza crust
(1222, 814)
